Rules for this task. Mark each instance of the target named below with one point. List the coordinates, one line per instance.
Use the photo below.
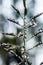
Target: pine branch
(15, 36)
(12, 48)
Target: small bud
(22, 50)
(25, 55)
(39, 31)
(20, 34)
(38, 43)
(25, 36)
(32, 23)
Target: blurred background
(34, 7)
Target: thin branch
(40, 31)
(18, 12)
(13, 52)
(16, 55)
(15, 36)
(37, 15)
(38, 43)
(32, 19)
(20, 63)
(13, 20)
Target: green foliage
(9, 40)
